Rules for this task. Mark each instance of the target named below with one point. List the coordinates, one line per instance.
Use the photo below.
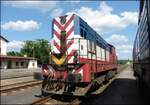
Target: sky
(115, 21)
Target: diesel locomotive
(79, 59)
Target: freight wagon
(79, 59)
(141, 50)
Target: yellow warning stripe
(58, 61)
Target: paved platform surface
(16, 80)
(123, 90)
(16, 73)
(21, 97)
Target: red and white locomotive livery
(79, 57)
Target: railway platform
(17, 73)
(16, 80)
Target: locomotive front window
(81, 32)
(110, 49)
(85, 34)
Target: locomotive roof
(98, 39)
(94, 36)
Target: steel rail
(41, 101)
(46, 99)
(75, 101)
(18, 86)
(20, 83)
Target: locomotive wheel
(107, 78)
(43, 93)
(92, 88)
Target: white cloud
(122, 44)
(104, 20)
(124, 48)
(76, 1)
(116, 38)
(15, 44)
(129, 17)
(124, 51)
(56, 12)
(43, 6)
(105, 9)
(20, 25)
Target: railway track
(76, 101)
(41, 101)
(49, 100)
(16, 86)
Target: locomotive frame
(79, 60)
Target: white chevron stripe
(55, 50)
(70, 25)
(57, 29)
(71, 60)
(70, 48)
(69, 51)
(57, 19)
(57, 40)
(74, 46)
(67, 29)
(70, 37)
(67, 18)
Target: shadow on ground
(120, 91)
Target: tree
(39, 49)
(123, 61)
(28, 48)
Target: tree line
(123, 61)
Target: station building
(14, 62)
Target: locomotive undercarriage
(71, 85)
(67, 88)
(74, 86)
(60, 86)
